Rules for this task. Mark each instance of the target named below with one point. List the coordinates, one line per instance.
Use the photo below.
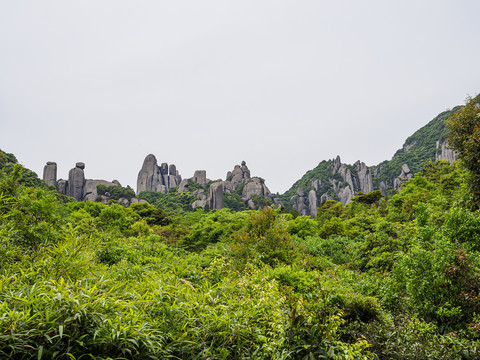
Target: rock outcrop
(405, 174)
(200, 177)
(90, 192)
(364, 175)
(312, 203)
(157, 178)
(299, 202)
(50, 173)
(76, 182)
(444, 152)
(215, 196)
(343, 183)
(80, 188)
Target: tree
(464, 137)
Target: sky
(204, 85)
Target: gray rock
(150, 177)
(116, 182)
(251, 204)
(383, 188)
(445, 152)
(317, 184)
(215, 196)
(80, 165)
(50, 173)
(405, 175)
(200, 177)
(172, 181)
(239, 174)
(172, 170)
(200, 193)
(124, 202)
(252, 187)
(199, 203)
(336, 164)
(299, 204)
(90, 189)
(183, 186)
(365, 178)
(277, 202)
(162, 189)
(228, 187)
(325, 197)
(164, 169)
(312, 203)
(345, 195)
(62, 187)
(76, 182)
(300, 192)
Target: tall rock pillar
(50, 173)
(76, 182)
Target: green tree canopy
(464, 137)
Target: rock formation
(312, 203)
(299, 202)
(90, 188)
(344, 182)
(78, 187)
(200, 177)
(444, 152)
(50, 173)
(157, 178)
(76, 182)
(364, 177)
(215, 196)
(405, 175)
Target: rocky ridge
(337, 181)
(78, 187)
(209, 194)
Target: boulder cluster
(210, 193)
(77, 186)
(153, 177)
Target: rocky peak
(157, 178)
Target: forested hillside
(331, 179)
(378, 278)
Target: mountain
(333, 180)
(163, 185)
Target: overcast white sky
(282, 85)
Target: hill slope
(332, 180)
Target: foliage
(464, 137)
(379, 278)
(116, 192)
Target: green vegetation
(421, 149)
(417, 151)
(116, 192)
(464, 137)
(379, 278)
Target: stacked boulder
(77, 186)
